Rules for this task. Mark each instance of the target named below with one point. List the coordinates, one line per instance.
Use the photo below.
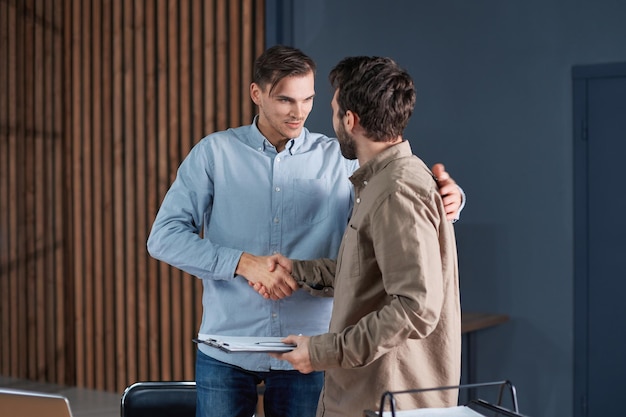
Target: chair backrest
(159, 399)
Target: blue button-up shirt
(245, 196)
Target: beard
(346, 143)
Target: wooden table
(471, 322)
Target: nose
(297, 111)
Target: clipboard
(247, 344)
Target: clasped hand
(270, 276)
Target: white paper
(460, 411)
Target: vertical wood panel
(234, 64)
(65, 117)
(27, 220)
(180, 335)
(192, 289)
(14, 261)
(18, 321)
(85, 144)
(248, 54)
(100, 101)
(196, 72)
(153, 70)
(122, 320)
(209, 69)
(108, 236)
(75, 109)
(169, 296)
(39, 193)
(221, 63)
(5, 186)
(101, 313)
(140, 181)
(62, 342)
(128, 167)
(5, 206)
(29, 242)
(47, 275)
(163, 172)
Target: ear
(255, 93)
(350, 120)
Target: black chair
(159, 399)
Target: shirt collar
(380, 161)
(260, 142)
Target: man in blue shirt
(252, 191)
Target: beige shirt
(396, 319)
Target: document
(232, 344)
(475, 408)
(460, 411)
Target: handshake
(270, 276)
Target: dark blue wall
(495, 105)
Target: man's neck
(279, 143)
(370, 149)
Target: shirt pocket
(311, 197)
(348, 258)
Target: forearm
(372, 336)
(177, 245)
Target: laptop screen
(19, 403)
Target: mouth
(294, 125)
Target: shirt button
(358, 200)
(277, 189)
(278, 159)
(364, 182)
(276, 220)
(274, 315)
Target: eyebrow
(279, 97)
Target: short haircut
(279, 62)
(380, 92)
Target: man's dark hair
(279, 62)
(380, 92)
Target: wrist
(243, 265)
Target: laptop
(20, 403)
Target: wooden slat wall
(100, 100)
(35, 297)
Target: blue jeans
(229, 391)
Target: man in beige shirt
(396, 320)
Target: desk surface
(472, 321)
